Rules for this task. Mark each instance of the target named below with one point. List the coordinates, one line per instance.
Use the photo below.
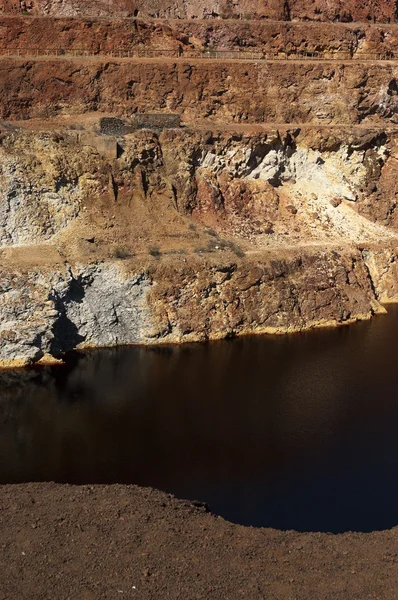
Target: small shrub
(237, 250)
(121, 252)
(211, 232)
(155, 251)
(173, 251)
(214, 245)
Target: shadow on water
(296, 432)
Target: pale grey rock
(26, 316)
(98, 306)
(51, 313)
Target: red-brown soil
(105, 542)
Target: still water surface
(295, 432)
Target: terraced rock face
(190, 236)
(273, 208)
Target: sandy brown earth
(102, 542)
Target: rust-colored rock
(336, 10)
(231, 92)
(101, 35)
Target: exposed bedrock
(347, 10)
(320, 10)
(220, 92)
(47, 313)
(331, 185)
(383, 271)
(191, 235)
(268, 188)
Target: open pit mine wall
(220, 92)
(180, 298)
(100, 36)
(320, 10)
(48, 312)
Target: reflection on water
(290, 432)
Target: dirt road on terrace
(106, 542)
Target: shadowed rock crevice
(66, 333)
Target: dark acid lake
(294, 432)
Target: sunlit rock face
(185, 236)
(45, 314)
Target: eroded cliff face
(187, 236)
(268, 187)
(338, 10)
(38, 199)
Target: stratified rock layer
(105, 305)
(273, 208)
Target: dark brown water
(293, 432)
